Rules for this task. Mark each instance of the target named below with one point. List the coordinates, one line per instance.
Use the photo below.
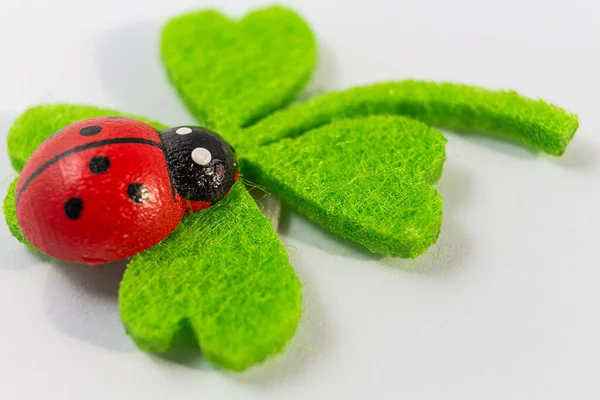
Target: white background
(505, 307)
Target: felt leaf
(544, 126)
(34, 126)
(231, 73)
(222, 272)
(38, 123)
(368, 180)
(10, 214)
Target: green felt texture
(38, 123)
(10, 215)
(368, 180)
(545, 127)
(231, 73)
(223, 272)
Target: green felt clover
(231, 73)
(361, 162)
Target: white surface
(506, 307)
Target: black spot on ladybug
(137, 192)
(114, 117)
(90, 130)
(99, 164)
(73, 207)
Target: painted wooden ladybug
(107, 188)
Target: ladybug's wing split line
(78, 149)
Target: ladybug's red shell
(97, 191)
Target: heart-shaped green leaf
(368, 180)
(223, 272)
(232, 73)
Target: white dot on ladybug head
(183, 130)
(201, 156)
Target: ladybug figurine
(107, 188)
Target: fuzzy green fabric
(460, 107)
(223, 272)
(10, 215)
(231, 73)
(38, 123)
(368, 180)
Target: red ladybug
(107, 188)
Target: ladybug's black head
(203, 166)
